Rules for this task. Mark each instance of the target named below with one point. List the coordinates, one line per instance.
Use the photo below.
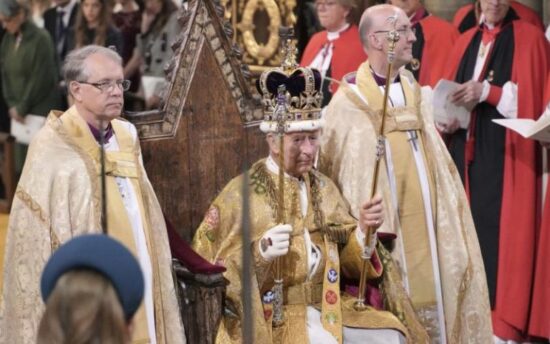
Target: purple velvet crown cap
(295, 83)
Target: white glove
(367, 250)
(275, 242)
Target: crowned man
(58, 197)
(317, 245)
(425, 205)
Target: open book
(150, 85)
(444, 110)
(537, 130)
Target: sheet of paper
(149, 84)
(24, 132)
(445, 111)
(536, 130)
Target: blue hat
(104, 255)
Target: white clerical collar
(274, 168)
(395, 80)
(484, 22)
(332, 35)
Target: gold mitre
(302, 93)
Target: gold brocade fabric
(400, 123)
(348, 152)
(58, 198)
(121, 163)
(218, 239)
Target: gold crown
(301, 87)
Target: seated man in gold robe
(318, 244)
(436, 249)
(58, 197)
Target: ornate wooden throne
(200, 138)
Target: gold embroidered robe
(218, 239)
(58, 197)
(348, 151)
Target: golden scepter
(102, 178)
(278, 316)
(288, 66)
(392, 38)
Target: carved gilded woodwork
(202, 136)
(199, 28)
(256, 23)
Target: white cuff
(508, 104)
(360, 236)
(485, 91)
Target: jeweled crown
(302, 91)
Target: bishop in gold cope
(436, 249)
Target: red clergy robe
(539, 322)
(347, 53)
(464, 18)
(520, 209)
(435, 39)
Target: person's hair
(83, 308)
(348, 3)
(74, 68)
(168, 8)
(351, 5)
(81, 25)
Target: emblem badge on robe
(332, 276)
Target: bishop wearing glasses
(59, 196)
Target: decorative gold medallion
(415, 64)
(491, 76)
(482, 50)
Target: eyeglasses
(403, 31)
(109, 85)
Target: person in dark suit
(58, 21)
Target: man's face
(403, 47)
(300, 150)
(104, 100)
(494, 10)
(409, 6)
(332, 15)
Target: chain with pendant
(262, 183)
(483, 50)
